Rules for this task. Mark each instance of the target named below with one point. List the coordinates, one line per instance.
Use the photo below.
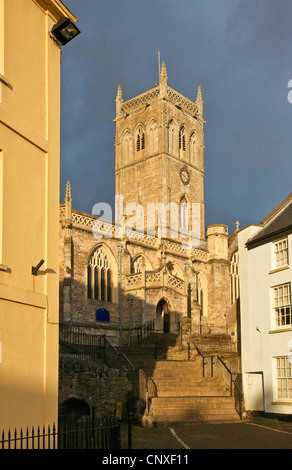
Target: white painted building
(265, 273)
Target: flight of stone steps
(182, 393)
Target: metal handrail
(145, 330)
(202, 356)
(150, 389)
(87, 347)
(229, 372)
(238, 396)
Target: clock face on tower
(184, 176)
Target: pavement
(249, 433)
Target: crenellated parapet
(161, 91)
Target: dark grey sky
(238, 51)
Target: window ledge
(281, 402)
(282, 268)
(281, 330)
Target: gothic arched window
(140, 140)
(89, 282)
(153, 137)
(193, 148)
(183, 213)
(182, 142)
(171, 137)
(234, 277)
(137, 265)
(127, 148)
(99, 279)
(109, 285)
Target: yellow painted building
(29, 211)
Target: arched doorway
(162, 317)
(74, 408)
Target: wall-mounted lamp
(64, 30)
(34, 269)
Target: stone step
(194, 409)
(190, 393)
(201, 382)
(167, 368)
(196, 418)
(189, 374)
(178, 365)
(192, 404)
(171, 382)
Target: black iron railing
(86, 347)
(147, 389)
(238, 396)
(145, 330)
(72, 433)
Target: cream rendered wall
(261, 342)
(29, 208)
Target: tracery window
(137, 265)
(182, 143)
(182, 139)
(140, 141)
(99, 276)
(234, 277)
(175, 271)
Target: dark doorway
(74, 408)
(162, 317)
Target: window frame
(276, 262)
(98, 277)
(278, 317)
(282, 374)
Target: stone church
(156, 264)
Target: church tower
(160, 159)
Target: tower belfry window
(140, 140)
(182, 139)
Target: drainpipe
(188, 290)
(120, 247)
(130, 299)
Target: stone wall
(100, 389)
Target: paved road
(256, 433)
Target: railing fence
(72, 433)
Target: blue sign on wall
(102, 315)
